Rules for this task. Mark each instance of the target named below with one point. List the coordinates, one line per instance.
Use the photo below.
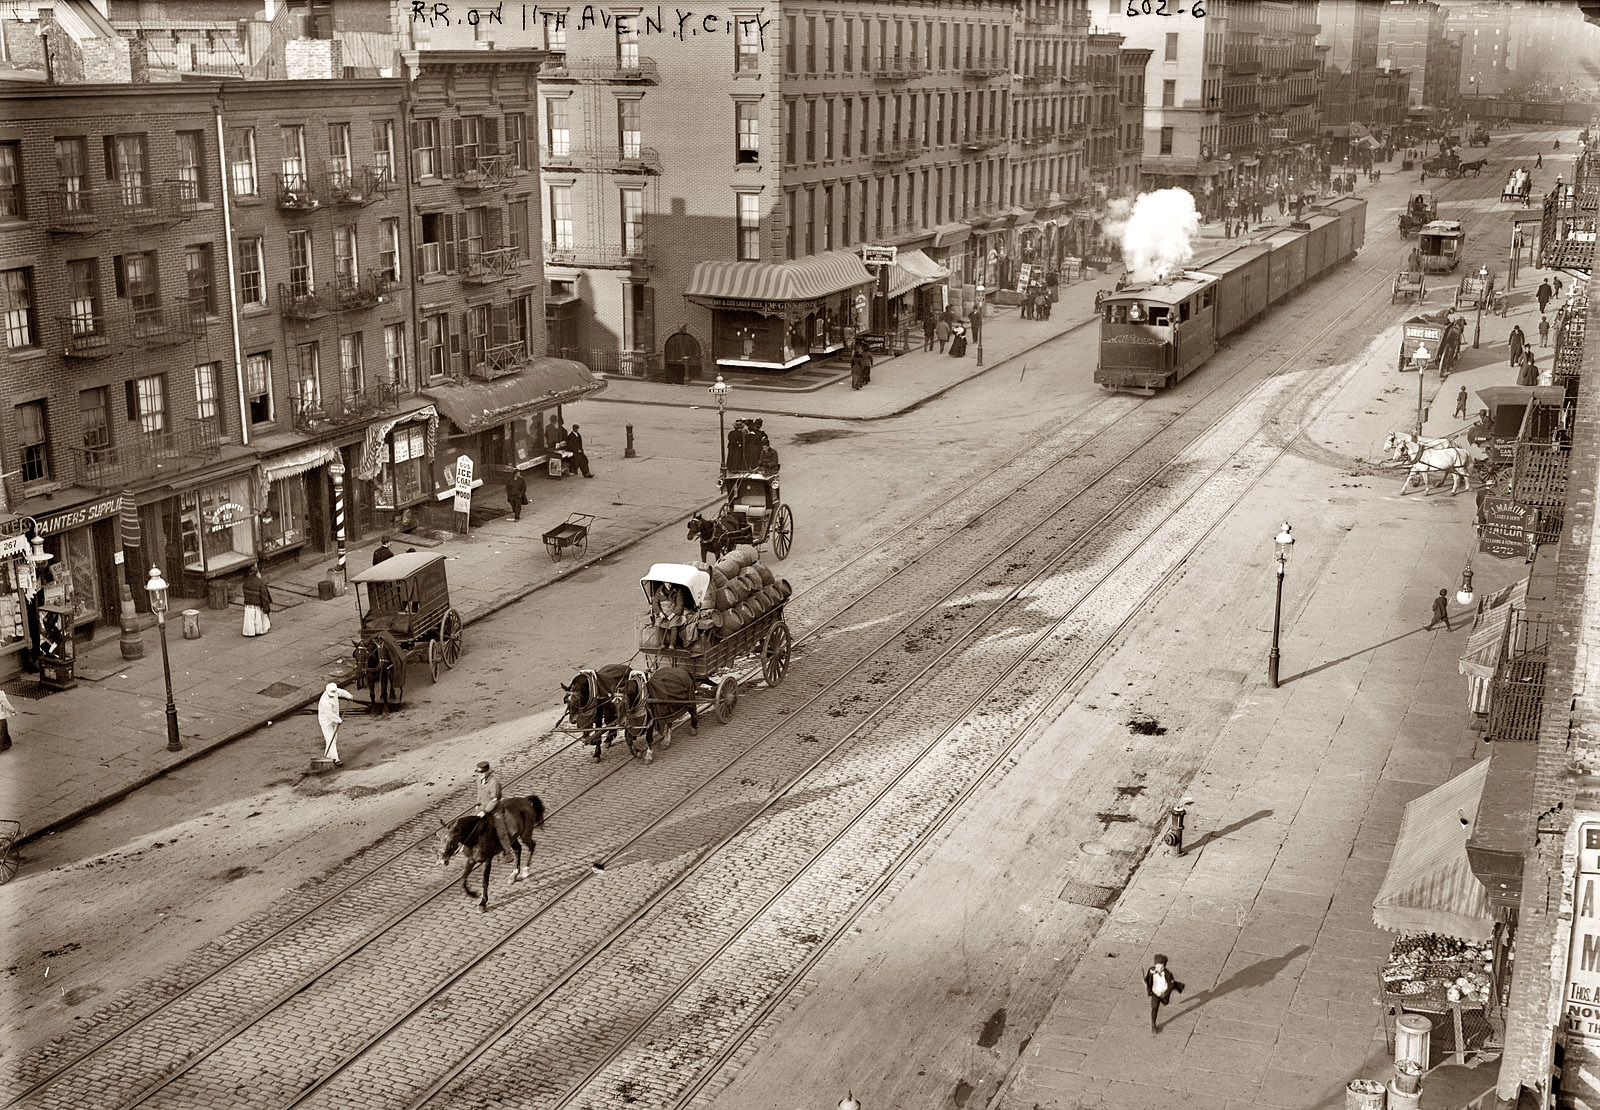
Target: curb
(978, 372)
(288, 710)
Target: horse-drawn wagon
(1476, 290)
(406, 617)
(753, 511)
(1431, 342)
(1408, 285)
(1420, 210)
(1473, 168)
(1439, 245)
(1443, 165)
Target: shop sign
(878, 256)
(13, 546)
(1278, 133)
(77, 518)
(1504, 529)
(1581, 998)
(225, 515)
(463, 502)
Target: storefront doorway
(682, 357)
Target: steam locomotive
(1152, 335)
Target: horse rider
(489, 803)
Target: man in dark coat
(1544, 294)
(382, 551)
(1160, 985)
(1516, 342)
(516, 493)
(580, 461)
(927, 333)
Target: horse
(1405, 446)
(589, 704)
(476, 836)
(647, 703)
(380, 664)
(1449, 460)
(714, 542)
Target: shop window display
(15, 579)
(70, 581)
(283, 521)
(401, 480)
(218, 528)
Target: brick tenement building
(1132, 63)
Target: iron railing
(898, 152)
(355, 407)
(984, 71)
(642, 70)
(605, 256)
(982, 140)
(1039, 75)
(87, 211)
(1566, 232)
(162, 325)
(298, 301)
(485, 166)
(360, 186)
(1516, 693)
(369, 290)
(86, 336)
(496, 361)
(633, 364)
(146, 454)
(897, 72)
(296, 192)
(488, 264)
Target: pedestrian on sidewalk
(1538, 161)
(257, 604)
(927, 333)
(1044, 304)
(941, 331)
(1515, 341)
(1544, 331)
(580, 461)
(1555, 281)
(1544, 293)
(516, 493)
(1529, 374)
(328, 718)
(382, 551)
(1160, 985)
(1025, 309)
(7, 711)
(1052, 282)
(1461, 404)
(1441, 610)
(976, 322)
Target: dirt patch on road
(822, 435)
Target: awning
(912, 269)
(1496, 395)
(543, 384)
(1482, 654)
(296, 462)
(372, 451)
(1504, 829)
(803, 279)
(950, 235)
(1430, 887)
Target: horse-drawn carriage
(1431, 342)
(1443, 165)
(406, 617)
(1471, 169)
(1439, 246)
(753, 511)
(1480, 137)
(1420, 210)
(1409, 285)
(1519, 185)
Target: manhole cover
(1094, 896)
(278, 690)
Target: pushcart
(572, 532)
(10, 833)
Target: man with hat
(489, 803)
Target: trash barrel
(1402, 1100)
(1364, 1094)
(191, 624)
(1413, 1035)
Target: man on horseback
(489, 803)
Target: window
(811, 44)
(632, 221)
(628, 41)
(747, 45)
(339, 155)
(72, 173)
(944, 45)
(789, 132)
(790, 35)
(389, 250)
(94, 421)
(827, 129)
(517, 236)
(83, 296)
(425, 146)
(300, 275)
(555, 31)
(201, 277)
(748, 132)
(827, 217)
(11, 199)
(478, 334)
(129, 169)
(1166, 140)
(558, 128)
(517, 139)
(561, 217)
(292, 165)
(22, 328)
(847, 46)
(1172, 47)
(437, 243)
(34, 440)
(435, 335)
(252, 273)
(629, 136)
(468, 138)
(346, 265)
(191, 165)
(307, 385)
(149, 396)
(474, 221)
(811, 130)
(383, 149)
(205, 393)
(242, 161)
(258, 386)
(749, 213)
(352, 372)
(1169, 94)
(830, 35)
(394, 357)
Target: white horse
(1439, 460)
(1407, 445)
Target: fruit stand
(1433, 974)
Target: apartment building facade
(1132, 63)
(1349, 29)
(1412, 37)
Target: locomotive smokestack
(1158, 238)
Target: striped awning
(803, 279)
(1482, 655)
(1430, 887)
(911, 269)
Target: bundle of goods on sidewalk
(1435, 971)
(714, 603)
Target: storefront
(778, 315)
(81, 573)
(289, 494)
(395, 464)
(16, 585)
(916, 287)
(217, 527)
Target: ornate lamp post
(977, 313)
(1483, 294)
(720, 390)
(158, 605)
(1283, 542)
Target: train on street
(1152, 335)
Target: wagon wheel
(782, 532)
(775, 654)
(726, 697)
(8, 860)
(553, 546)
(435, 654)
(450, 637)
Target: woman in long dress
(257, 604)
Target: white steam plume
(1158, 234)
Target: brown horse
(647, 704)
(380, 664)
(589, 704)
(476, 836)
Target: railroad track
(1052, 488)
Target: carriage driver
(489, 803)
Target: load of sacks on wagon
(742, 589)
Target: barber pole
(336, 470)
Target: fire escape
(1567, 228)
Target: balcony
(497, 361)
(486, 265)
(985, 71)
(1039, 136)
(1246, 27)
(1040, 75)
(1539, 472)
(641, 70)
(1242, 59)
(1303, 65)
(638, 258)
(1241, 104)
(898, 72)
(148, 454)
(87, 211)
(898, 152)
(164, 325)
(358, 187)
(1040, 20)
(483, 167)
(368, 291)
(300, 301)
(1566, 233)
(982, 140)
(296, 193)
(357, 407)
(637, 159)
(86, 336)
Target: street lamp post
(1483, 295)
(1283, 542)
(720, 390)
(978, 313)
(158, 605)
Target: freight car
(1152, 335)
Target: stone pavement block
(1132, 1057)
(1055, 1090)
(1217, 1084)
(1234, 1029)
(1245, 1059)
(1275, 900)
(1322, 1058)
(1281, 1088)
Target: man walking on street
(328, 718)
(1538, 161)
(1160, 986)
(1544, 294)
(1461, 404)
(580, 461)
(1544, 331)
(927, 333)
(941, 331)
(1441, 610)
(1515, 342)
(516, 493)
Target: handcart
(570, 533)
(10, 833)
